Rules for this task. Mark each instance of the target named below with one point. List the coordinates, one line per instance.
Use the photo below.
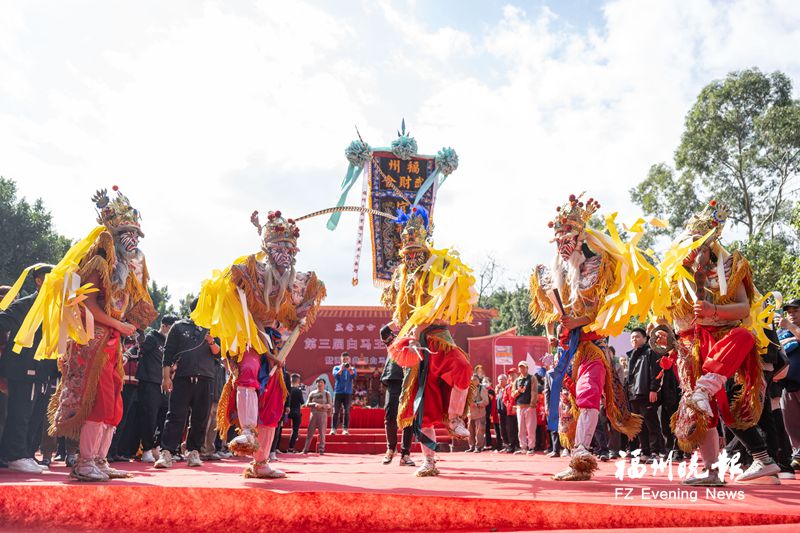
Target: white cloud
(203, 112)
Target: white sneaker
(757, 470)
(27, 465)
(165, 461)
(193, 459)
(148, 457)
(273, 457)
(786, 475)
(346, 432)
(457, 428)
(564, 453)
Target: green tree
(789, 282)
(741, 147)
(185, 305)
(512, 309)
(27, 235)
(663, 195)
(161, 297)
(742, 140)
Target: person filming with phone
(343, 375)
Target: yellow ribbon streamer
(222, 309)
(57, 308)
(451, 287)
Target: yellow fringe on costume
(445, 293)
(59, 304)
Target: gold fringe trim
(693, 440)
(223, 422)
(741, 273)
(410, 383)
(541, 308)
(567, 437)
(71, 428)
(584, 464)
(316, 291)
(747, 402)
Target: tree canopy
(740, 147)
(27, 235)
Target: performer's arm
(101, 317)
(572, 322)
(550, 329)
(739, 310)
(212, 344)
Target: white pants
(526, 420)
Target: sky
(204, 111)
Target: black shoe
(470, 449)
(59, 457)
(44, 462)
(509, 450)
(604, 457)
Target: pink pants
(589, 387)
(248, 370)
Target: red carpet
(476, 492)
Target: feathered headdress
(117, 215)
(416, 232)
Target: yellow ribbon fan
(222, 308)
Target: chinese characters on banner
(408, 176)
(359, 337)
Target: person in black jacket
(392, 379)
(149, 373)
(20, 373)
(188, 375)
(643, 385)
(296, 401)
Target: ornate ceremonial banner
(395, 176)
(388, 173)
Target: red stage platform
(476, 492)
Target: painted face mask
(566, 243)
(129, 241)
(414, 259)
(282, 256)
